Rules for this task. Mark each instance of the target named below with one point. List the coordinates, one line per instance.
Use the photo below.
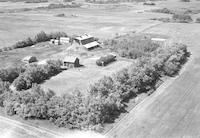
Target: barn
(71, 62)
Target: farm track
(18, 128)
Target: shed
(64, 40)
(71, 62)
(160, 41)
(57, 42)
(29, 59)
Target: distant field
(103, 22)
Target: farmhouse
(87, 41)
(71, 62)
(29, 59)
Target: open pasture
(102, 22)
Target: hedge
(36, 74)
(40, 37)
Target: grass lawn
(82, 78)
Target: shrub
(25, 43)
(164, 10)
(41, 37)
(105, 60)
(60, 15)
(149, 3)
(165, 20)
(185, 0)
(37, 74)
(182, 18)
(198, 20)
(36, 1)
(10, 74)
(131, 46)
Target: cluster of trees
(60, 5)
(105, 99)
(131, 46)
(40, 37)
(182, 18)
(37, 74)
(198, 20)
(163, 10)
(36, 1)
(11, 73)
(185, 0)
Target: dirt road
(13, 129)
(173, 111)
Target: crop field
(103, 22)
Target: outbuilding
(64, 40)
(87, 41)
(160, 41)
(71, 62)
(29, 59)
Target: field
(172, 111)
(103, 22)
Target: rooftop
(70, 59)
(83, 37)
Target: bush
(60, 15)
(164, 10)
(131, 46)
(165, 20)
(25, 43)
(182, 18)
(37, 74)
(149, 3)
(105, 60)
(40, 37)
(185, 0)
(198, 20)
(36, 1)
(10, 74)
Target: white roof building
(87, 41)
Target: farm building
(42, 62)
(29, 59)
(54, 41)
(160, 41)
(64, 40)
(87, 41)
(71, 62)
